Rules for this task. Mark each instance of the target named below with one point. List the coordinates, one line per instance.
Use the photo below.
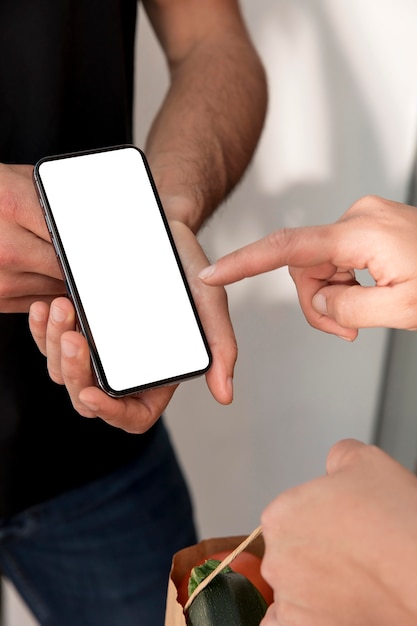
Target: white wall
(341, 124)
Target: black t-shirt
(66, 84)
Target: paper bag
(184, 561)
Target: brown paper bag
(185, 559)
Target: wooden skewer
(226, 561)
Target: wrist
(185, 193)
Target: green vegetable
(230, 599)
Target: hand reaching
(374, 234)
(342, 549)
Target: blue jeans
(100, 555)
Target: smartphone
(121, 269)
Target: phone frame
(74, 295)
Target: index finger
(299, 247)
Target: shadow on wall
(334, 132)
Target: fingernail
(319, 303)
(37, 314)
(58, 314)
(207, 271)
(68, 348)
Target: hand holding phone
(121, 269)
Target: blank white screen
(124, 268)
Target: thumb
(355, 306)
(342, 454)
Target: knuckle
(346, 453)
(340, 306)
(274, 514)
(9, 256)
(364, 201)
(55, 375)
(8, 287)
(280, 238)
(288, 613)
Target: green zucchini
(230, 599)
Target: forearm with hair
(208, 126)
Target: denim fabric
(100, 555)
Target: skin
(68, 358)
(341, 550)
(197, 152)
(374, 234)
(28, 266)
